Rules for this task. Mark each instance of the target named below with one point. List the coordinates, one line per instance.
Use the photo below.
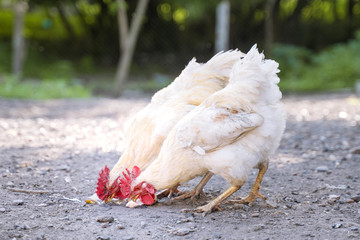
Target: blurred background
(83, 48)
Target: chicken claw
(254, 192)
(197, 191)
(168, 193)
(214, 204)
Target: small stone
(103, 238)
(2, 210)
(127, 238)
(142, 224)
(65, 168)
(105, 225)
(356, 198)
(271, 204)
(119, 226)
(10, 184)
(354, 228)
(184, 220)
(25, 227)
(182, 231)
(18, 202)
(255, 215)
(40, 237)
(67, 179)
(334, 197)
(218, 235)
(299, 224)
(322, 169)
(337, 225)
(105, 219)
(259, 227)
(355, 150)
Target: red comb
(102, 181)
(129, 177)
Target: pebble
(41, 237)
(103, 238)
(355, 150)
(2, 210)
(218, 235)
(322, 169)
(18, 202)
(255, 215)
(105, 219)
(271, 203)
(10, 184)
(354, 229)
(119, 226)
(127, 238)
(105, 225)
(356, 198)
(142, 224)
(259, 227)
(333, 198)
(337, 225)
(184, 220)
(182, 231)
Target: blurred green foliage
(56, 88)
(332, 68)
(78, 39)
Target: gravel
(52, 151)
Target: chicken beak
(110, 198)
(136, 197)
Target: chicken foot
(214, 204)
(196, 192)
(254, 192)
(168, 192)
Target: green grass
(59, 88)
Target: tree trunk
(65, 21)
(126, 57)
(222, 28)
(18, 41)
(123, 25)
(269, 26)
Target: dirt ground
(51, 153)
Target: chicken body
(231, 132)
(146, 131)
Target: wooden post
(269, 26)
(126, 57)
(222, 26)
(18, 42)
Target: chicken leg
(168, 192)
(254, 192)
(197, 190)
(214, 204)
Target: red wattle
(148, 199)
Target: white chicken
(233, 131)
(146, 131)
